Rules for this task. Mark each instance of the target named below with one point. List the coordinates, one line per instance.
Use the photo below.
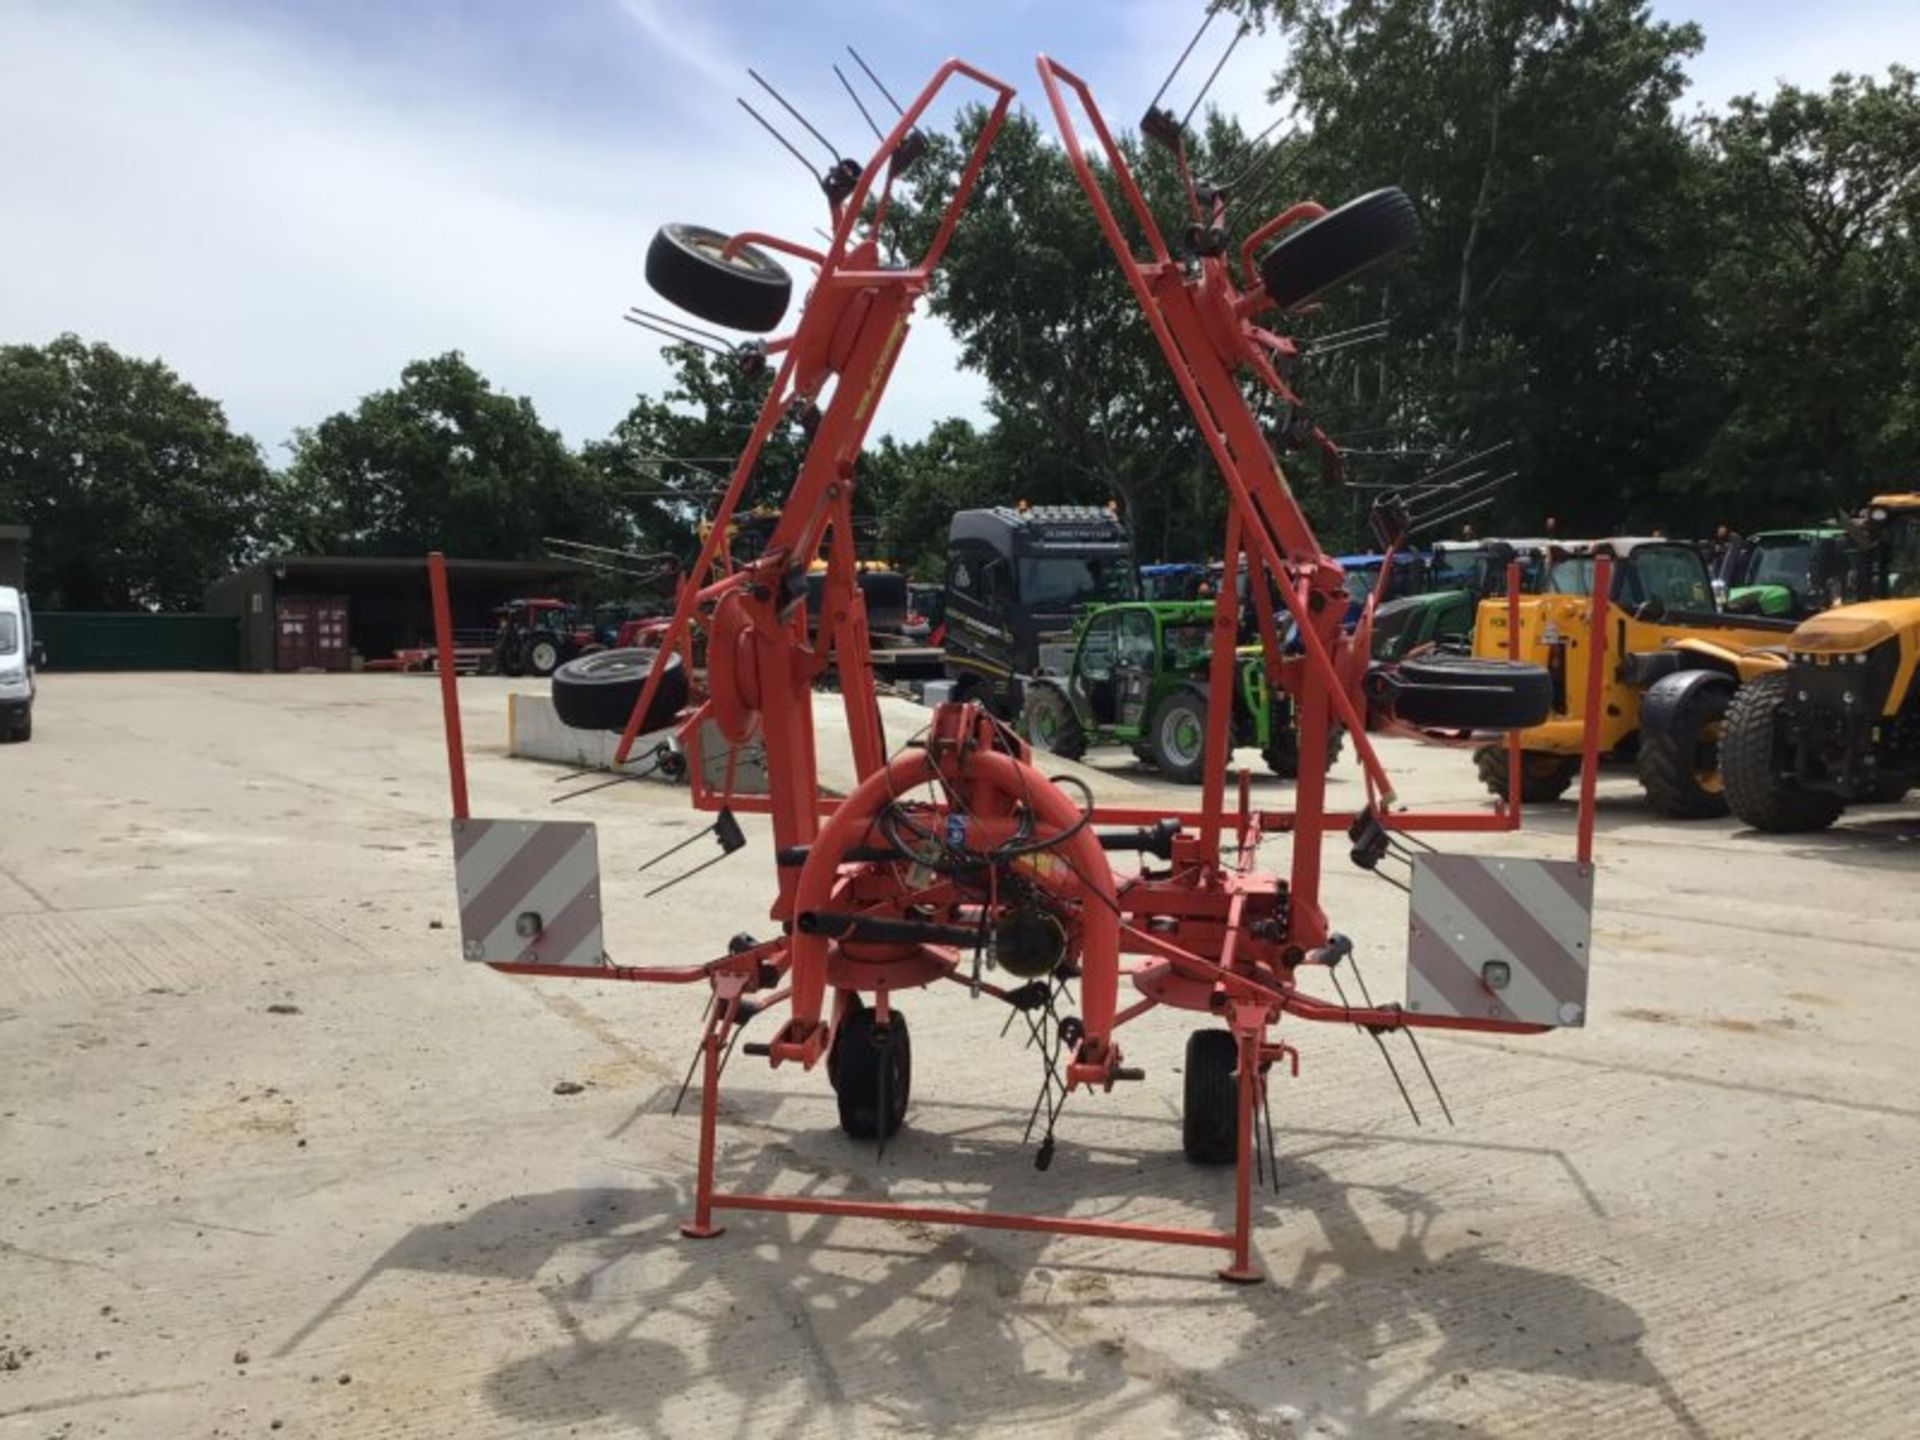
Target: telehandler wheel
(1682, 720)
(599, 691)
(1210, 1108)
(854, 1065)
(1752, 765)
(1048, 722)
(748, 292)
(1341, 245)
(1544, 777)
(1177, 735)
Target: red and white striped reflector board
(1498, 939)
(529, 892)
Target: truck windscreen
(9, 634)
(1060, 582)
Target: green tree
(441, 461)
(1552, 302)
(914, 488)
(138, 493)
(1813, 286)
(667, 463)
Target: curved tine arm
(1052, 75)
(848, 216)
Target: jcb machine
(1836, 722)
(1672, 665)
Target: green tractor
(1461, 576)
(1772, 573)
(1138, 677)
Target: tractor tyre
(598, 692)
(1544, 777)
(1341, 245)
(749, 292)
(1177, 736)
(1750, 765)
(1283, 748)
(855, 1062)
(1210, 1107)
(1682, 719)
(1452, 692)
(541, 655)
(1048, 721)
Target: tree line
(1664, 318)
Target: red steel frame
(1212, 934)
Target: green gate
(109, 640)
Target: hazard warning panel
(529, 892)
(1499, 939)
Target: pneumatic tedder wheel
(1341, 245)
(864, 1062)
(1210, 1109)
(746, 291)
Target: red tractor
(537, 637)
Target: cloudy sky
(289, 199)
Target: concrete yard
(274, 1160)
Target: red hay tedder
(954, 857)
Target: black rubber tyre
(1751, 765)
(1544, 777)
(1682, 718)
(1884, 792)
(540, 655)
(1177, 736)
(598, 692)
(749, 292)
(20, 727)
(1210, 1107)
(1049, 723)
(1283, 747)
(1452, 692)
(1341, 245)
(854, 1062)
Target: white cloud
(287, 237)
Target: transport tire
(1751, 765)
(1341, 245)
(1177, 736)
(1210, 1106)
(854, 1064)
(1048, 722)
(1544, 777)
(1451, 692)
(1682, 721)
(598, 692)
(748, 292)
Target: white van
(18, 658)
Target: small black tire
(1177, 736)
(1759, 792)
(1341, 245)
(599, 691)
(1544, 777)
(749, 292)
(1282, 752)
(1682, 718)
(854, 1061)
(541, 655)
(1048, 721)
(1210, 1104)
(1455, 692)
